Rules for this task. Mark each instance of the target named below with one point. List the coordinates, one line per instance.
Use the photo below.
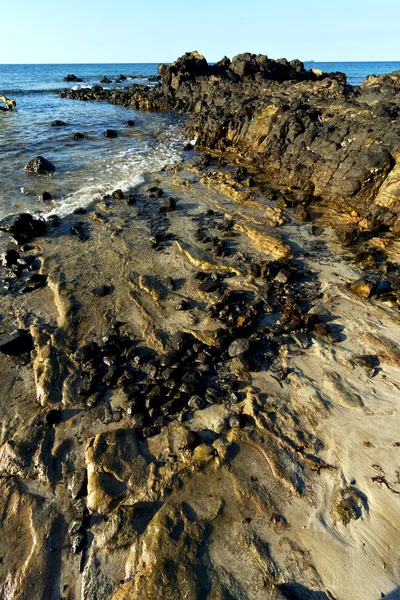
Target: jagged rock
(110, 133)
(23, 227)
(40, 166)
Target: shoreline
(199, 401)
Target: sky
(128, 31)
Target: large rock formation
(309, 130)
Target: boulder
(23, 227)
(40, 166)
(105, 79)
(58, 123)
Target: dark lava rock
(58, 123)
(118, 195)
(101, 290)
(9, 258)
(23, 227)
(170, 204)
(283, 276)
(368, 361)
(18, 342)
(110, 133)
(154, 192)
(239, 347)
(78, 136)
(131, 123)
(105, 79)
(72, 78)
(40, 166)
(46, 196)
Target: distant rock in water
(58, 123)
(105, 79)
(40, 166)
(72, 78)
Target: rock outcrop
(309, 130)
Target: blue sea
(89, 168)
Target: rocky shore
(200, 377)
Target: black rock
(110, 133)
(131, 123)
(101, 290)
(155, 192)
(9, 258)
(23, 227)
(210, 285)
(170, 204)
(105, 79)
(72, 78)
(18, 342)
(40, 166)
(118, 195)
(58, 123)
(46, 196)
(78, 136)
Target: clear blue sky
(79, 31)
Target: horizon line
(169, 62)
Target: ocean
(91, 167)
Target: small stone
(182, 305)
(283, 276)
(196, 403)
(110, 133)
(239, 347)
(101, 290)
(118, 195)
(77, 543)
(58, 123)
(234, 422)
(155, 192)
(46, 196)
(78, 136)
(131, 123)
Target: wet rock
(101, 290)
(196, 403)
(183, 305)
(131, 123)
(40, 166)
(234, 421)
(118, 195)
(46, 197)
(239, 347)
(105, 79)
(110, 133)
(9, 258)
(170, 204)
(72, 78)
(78, 136)
(301, 338)
(58, 123)
(154, 192)
(18, 342)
